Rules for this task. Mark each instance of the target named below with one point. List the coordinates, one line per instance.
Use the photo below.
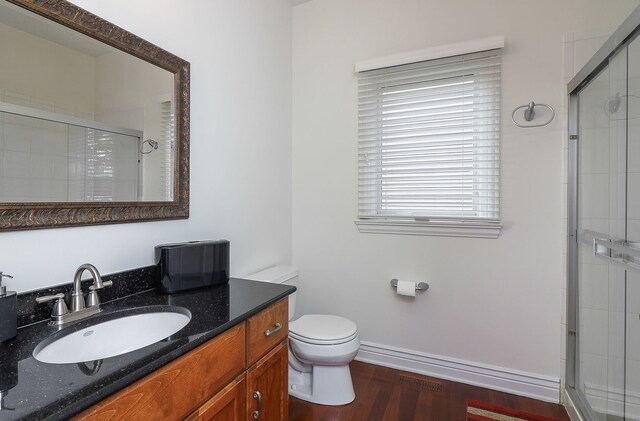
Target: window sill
(437, 229)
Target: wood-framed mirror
(94, 121)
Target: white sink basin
(108, 336)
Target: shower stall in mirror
(54, 158)
(603, 318)
(48, 157)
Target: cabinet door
(267, 386)
(227, 405)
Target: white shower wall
(33, 159)
(602, 290)
(633, 233)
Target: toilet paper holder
(420, 286)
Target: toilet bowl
(321, 346)
(324, 345)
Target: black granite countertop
(37, 391)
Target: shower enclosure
(603, 317)
(52, 157)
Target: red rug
(482, 411)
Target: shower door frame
(627, 32)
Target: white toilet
(321, 347)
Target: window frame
(451, 226)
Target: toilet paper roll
(406, 288)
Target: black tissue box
(191, 265)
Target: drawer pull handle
(270, 332)
(258, 396)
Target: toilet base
(324, 385)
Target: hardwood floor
(386, 394)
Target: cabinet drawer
(178, 388)
(267, 329)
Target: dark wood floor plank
(385, 394)
(407, 403)
(383, 398)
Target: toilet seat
(320, 342)
(323, 329)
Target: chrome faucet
(77, 298)
(79, 310)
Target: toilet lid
(323, 328)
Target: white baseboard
(497, 378)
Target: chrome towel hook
(152, 143)
(530, 113)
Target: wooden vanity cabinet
(216, 381)
(267, 359)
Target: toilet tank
(279, 274)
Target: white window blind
(429, 141)
(110, 166)
(168, 148)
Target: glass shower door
(632, 360)
(601, 220)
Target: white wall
(491, 302)
(45, 75)
(240, 55)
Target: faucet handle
(46, 298)
(104, 284)
(92, 297)
(59, 307)
(95, 287)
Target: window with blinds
(429, 135)
(167, 148)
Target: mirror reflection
(80, 121)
